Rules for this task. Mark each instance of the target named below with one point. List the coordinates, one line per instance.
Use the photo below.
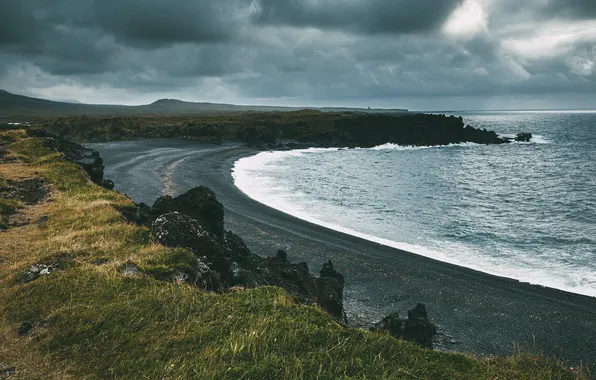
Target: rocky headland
(282, 130)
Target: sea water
(522, 210)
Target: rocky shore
(287, 130)
(195, 220)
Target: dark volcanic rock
(195, 220)
(523, 137)
(416, 328)
(199, 203)
(391, 324)
(178, 230)
(331, 291)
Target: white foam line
(244, 179)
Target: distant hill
(17, 107)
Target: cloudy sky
(416, 54)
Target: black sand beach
(475, 312)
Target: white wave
(249, 176)
(390, 146)
(536, 139)
(539, 139)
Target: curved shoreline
(241, 173)
(475, 311)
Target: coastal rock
(194, 220)
(178, 230)
(200, 203)
(330, 286)
(417, 328)
(86, 158)
(523, 137)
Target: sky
(415, 54)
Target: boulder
(523, 137)
(330, 286)
(199, 203)
(178, 230)
(417, 328)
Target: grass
(93, 321)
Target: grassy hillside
(92, 314)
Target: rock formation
(416, 328)
(195, 220)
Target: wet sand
(475, 312)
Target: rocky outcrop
(416, 328)
(195, 220)
(283, 130)
(523, 137)
(88, 159)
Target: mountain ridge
(21, 106)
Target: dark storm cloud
(163, 22)
(145, 22)
(583, 9)
(360, 16)
(309, 51)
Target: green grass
(92, 321)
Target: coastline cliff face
(280, 130)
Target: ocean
(525, 211)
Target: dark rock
(417, 328)
(236, 249)
(205, 278)
(194, 220)
(108, 184)
(392, 325)
(178, 230)
(330, 287)
(25, 328)
(282, 255)
(198, 203)
(201, 204)
(523, 137)
(86, 158)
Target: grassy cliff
(72, 305)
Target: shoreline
(242, 180)
(476, 312)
